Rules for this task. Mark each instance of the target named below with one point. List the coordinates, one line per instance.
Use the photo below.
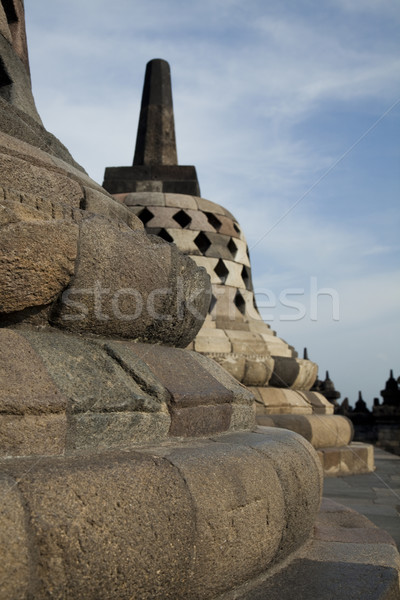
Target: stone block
(234, 364)
(180, 201)
(320, 405)
(187, 381)
(100, 204)
(198, 421)
(289, 454)
(306, 376)
(142, 199)
(100, 431)
(15, 564)
(89, 376)
(35, 179)
(283, 401)
(212, 341)
(285, 372)
(241, 395)
(246, 342)
(258, 371)
(234, 277)
(32, 435)
(208, 206)
(4, 28)
(26, 386)
(132, 285)
(322, 431)
(276, 346)
(124, 528)
(238, 523)
(37, 261)
(241, 254)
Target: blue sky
(288, 111)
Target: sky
(290, 111)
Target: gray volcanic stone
(15, 569)
(37, 261)
(130, 285)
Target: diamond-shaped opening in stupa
(246, 277)
(236, 228)
(182, 218)
(202, 242)
(163, 233)
(213, 302)
(240, 302)
(145, 216)
(232, 248)
(221, 270)
(214, 221)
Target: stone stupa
(166, 198)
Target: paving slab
(375, 495)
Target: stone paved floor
(375, 495)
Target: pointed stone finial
(155, 142)
(327, 375)
(155, 165)
(305, 354)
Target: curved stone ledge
(320, 430)
(183, 520)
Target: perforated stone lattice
(221, 270)
(207, 233)
(145, 216)
(202, 242)
(214, 221)
(232, 248)
(240, 302)
(182, 218)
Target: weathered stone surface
(289, 454)
(320, 430)
(88, 376)
(26, 386)
(114, 292)
(241, 394)
(96, 431)
(37, 261)
(238, 522)
(35, 179)
(123, 529)
(100, 204)
(285, 372)
(258, 370)
(273, 400)
(307, 375)
(199, 404)
(234, 364)
(15, 560)
(197, 421)
(32, 435)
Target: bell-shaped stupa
(166, 197)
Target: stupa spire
(155, 165)
(155, 142)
